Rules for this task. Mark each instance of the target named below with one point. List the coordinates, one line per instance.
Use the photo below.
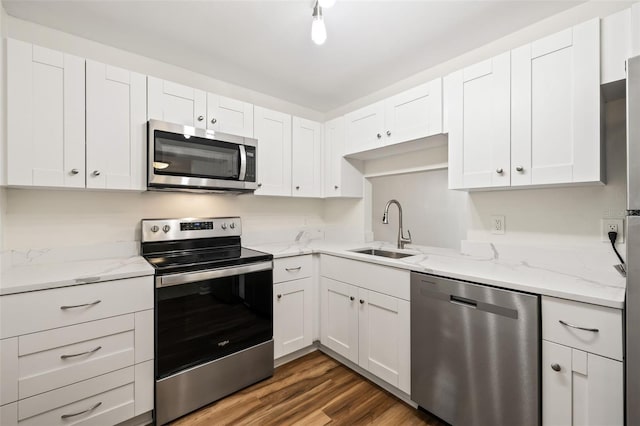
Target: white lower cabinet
(367, 327)
(84, 360)
(580, 388)
(293, 305)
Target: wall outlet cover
(497, 225)
(616, 225)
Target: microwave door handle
(243, 163)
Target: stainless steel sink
(383, 253)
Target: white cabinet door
(579, 388)
(292, 316)
(306, 177)
(479, 125)
(229, 115)
(342, 177)
(116, 127)
(46, 117)
(365, 128)
(384, 338)
(273, 132)
(635, 29)
(339, 317)
(175, 103)
(615, 46)
(556, 108)
(414, 114)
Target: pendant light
(318, 30)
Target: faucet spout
(385, 220)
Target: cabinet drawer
(112, 395)
(42, 369)
(606, 341)
(383, 279)
(42, 310)
(292, 268)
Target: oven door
(202, 316)
(182, 156)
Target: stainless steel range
(213, 307)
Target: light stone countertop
(583, 274)
(32, 270)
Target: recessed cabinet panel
(116, 128)
(306, 178)
(365, 128)
(273, 131)
(556, 109)
(341, 177)
(479, 130)
(339, 317)
(175, 103)
(229, 115)
(46, 87)
(293, 316)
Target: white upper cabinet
(407, 116)
(478, 100)
(306, 171)
(116, 127)
(365, 128)
(556, 108)
(272, 129)
(414, 114)
(175, 103)
(619, 40)
(341, 176)
(229, 115)
(46, 117)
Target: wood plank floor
(312, 390)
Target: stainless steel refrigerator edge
(632, 306)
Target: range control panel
(184, 229)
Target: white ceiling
(266, 45)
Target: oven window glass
(202, 321)
(179, 155)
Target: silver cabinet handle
(293, 269)
(81, 353)
(200, 117)
(593, 330)
(96, 173)
(362, 301)
(352, 298)
(74, 171)
(66, 416)
(519, 169)
(379, 135)
(279, 296)
(556, 367)
(214, 121)
(80, 306)
(499, 171)
(388, 132)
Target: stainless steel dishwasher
(475, 352)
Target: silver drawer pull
(81, 353)
(293, 269)
(66, 416)
(87, 280)
(80, 306)
(593, 330)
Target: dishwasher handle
(462, 301)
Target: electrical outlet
(612, 225)
(497, 225)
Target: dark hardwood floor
(312, 390)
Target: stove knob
(223, 226)
(155, 228)
(166, 228)
(233, 225)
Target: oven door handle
(191, 277)
(243, 163)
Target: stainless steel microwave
(184, 158)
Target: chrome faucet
(385, 219)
